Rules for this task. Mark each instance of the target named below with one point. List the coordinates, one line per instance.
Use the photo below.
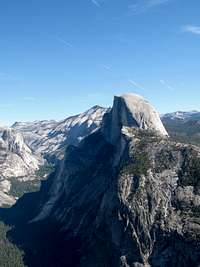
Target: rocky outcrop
(16, 161)
(138, 112)
(131, 110)
(17, 158)
(5, 198)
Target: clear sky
(60, 57)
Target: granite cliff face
(131, 110)
(125, 198)
(13, 142)
(16, 160)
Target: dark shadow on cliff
(47, 243)
(42, 242)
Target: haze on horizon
(59, 58)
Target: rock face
(16, 157)
(136, 111)
(16, 160)
(124, 199)
(50, 138)
(34, 132)
(5, 198)
(131, 110)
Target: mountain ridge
(50, 138)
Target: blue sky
(60, 57)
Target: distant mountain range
(50, 138)
(183, 126)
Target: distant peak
(96, 107)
